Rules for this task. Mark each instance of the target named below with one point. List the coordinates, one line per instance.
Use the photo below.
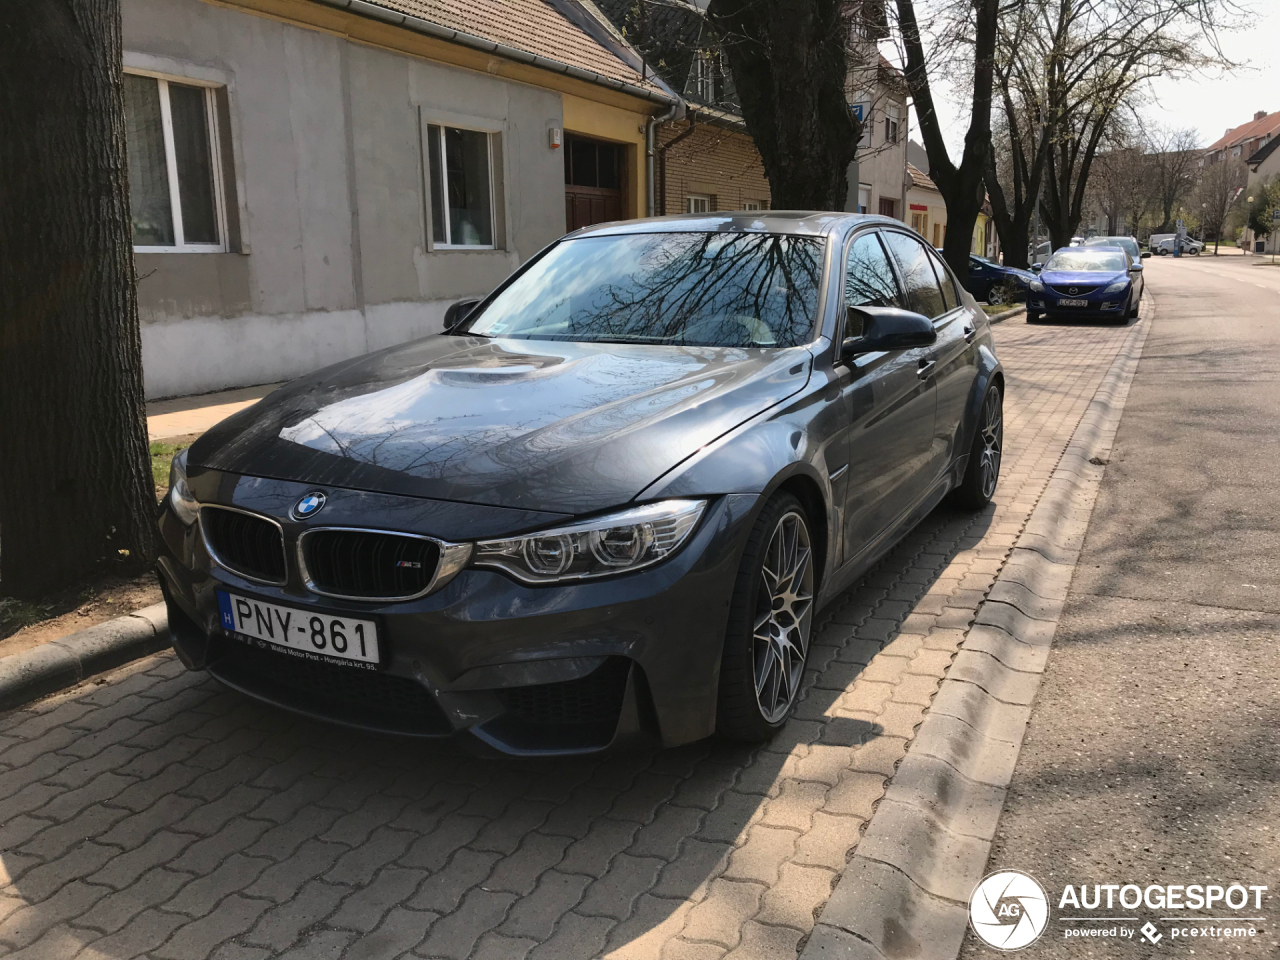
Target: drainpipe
(674, 112)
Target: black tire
(739, 711)
(996, 291)
(982, 473)
(1034, 317)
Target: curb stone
(904, 893)
(64, 662)
(1007, 314)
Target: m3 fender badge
(309, 505)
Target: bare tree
(1172, 157)
(75, 481)
(961, 185)
(1118, 186)
(1217, 191)
(789, 61)
(1067, 69)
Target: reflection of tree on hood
(698, 288)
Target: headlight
(181, 500)
(1037, 286)
(617, 543)
(1116, 287)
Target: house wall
(606, 122)
(935, 213)
(712, 161)
(334, 257)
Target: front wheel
(996, 296)
(770, 619)
(982, 473)
(1034, 316)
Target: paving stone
(203, 894)
(575, 936)
(654, 922)
(284, 879)
(205, 855)
(828, 841)
(761, 856)
(364, 909)
(792, 900)
(535, 916)
(1023, 657)
(493, 946)
(27, 924)
(143, 933)
(41, 880)
(605, 840)
(832, 943)
(679, 949)
(720, 916)
(281, 925)
(196, 940)
(1025, 600)
(669, 828)
(759, 940)
(359, 865)
(699, 863)
(400, 931)
(878, 755)
(320, 945)
(855, 794)
(865, 696)
(442, 891)
(626, 879)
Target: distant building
(1245, 140)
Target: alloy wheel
(995, 296)
(992, 434)
(780, 639)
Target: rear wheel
(982, 473)
(770, 619)
(996, 295)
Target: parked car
(996, 283)
(1167, 245)
(1136, 255)
(1091, 282)
(607, 503)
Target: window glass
(1087, 259)
(868, 280)
(918, 278)
(694, 203)
(148, 166)
(672, 289)
(188, 107)
(944, 282)
(461, 213)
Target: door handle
(970, 331)
(926, 366)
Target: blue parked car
(995, 283)
(1090, 282)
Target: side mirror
(1138, 267)
(1146, 254)
(888, 328)
(458, 312)
(1037, 267)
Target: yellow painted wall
(606, 122)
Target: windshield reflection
(679, 289)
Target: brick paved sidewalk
(153, 814)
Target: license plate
(301, 632)
(1073, 303)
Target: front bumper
(1112, 308)
(530, 669)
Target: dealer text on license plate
(1073, 303)
(303, 631)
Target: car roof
(799, 222)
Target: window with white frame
(461, 169)
(697, 203)
(752, 205)
(175, 180)
(891, 123)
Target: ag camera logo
(1009, 910)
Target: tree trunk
(789, 63)
(961, 186)
(75, 478)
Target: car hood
(532, 424)
(1059, 279)
(1025, 276)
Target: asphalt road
(1153, 755)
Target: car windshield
(679, 289)
(1124, 243)
(1086, 260)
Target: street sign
(1180, 226)
(1275, 215)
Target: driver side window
(868, 278)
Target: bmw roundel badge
(309, 505)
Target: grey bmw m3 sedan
(606, 503)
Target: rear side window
(868, 278)
(945, 282)
(920, 282)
